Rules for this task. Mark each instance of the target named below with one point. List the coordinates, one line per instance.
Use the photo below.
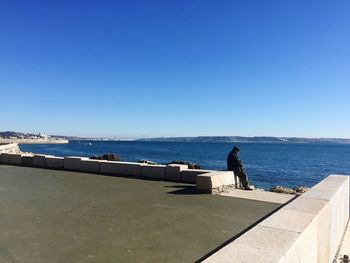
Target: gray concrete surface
(59, 216)
(259, 195)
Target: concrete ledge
(215, 181)
(27, 160)
(257, 195)
(120, 168)
(39, 160)
(190, 175)
(72, 163)
(308, 229)
(4, 158)
(54, 162)
(14, 159)
(90, 166)
(153, 171)
(173, 172)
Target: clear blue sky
(175, 68)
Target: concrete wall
(27, 160)
(190, 175)
(39, 160)
(308, 229)
(4, 158)
(90, 166)
(72, 163)
(171, 172)
(14, 159)
(54, 162)
(153, 171)
(121, 168)
(215, 181)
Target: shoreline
(33, 141)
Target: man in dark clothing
(235, 164)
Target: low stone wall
(308, 229)
(215, 181)
(9, 148)
(171, 172)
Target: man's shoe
(250, 187)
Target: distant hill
(29, 138)
(232, 139)
(34, 136)
(19, 135)
(258, 139)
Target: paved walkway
(58, 216)
(260, 196)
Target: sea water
(267, 164)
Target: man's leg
(244, 179)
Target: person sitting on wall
(235, 164)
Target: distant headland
(242, 139)
(31, 138)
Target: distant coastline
(30, 138)
(242, 139)
(33, 141)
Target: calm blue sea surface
(267, 164)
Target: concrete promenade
(60, 216)
(230, 226)
(260, 195)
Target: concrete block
(320, 194)
(320, 209)
(335, 190)
(4, 158)
(342, 207)
(153, 171)
(190, 175)
(14, 159)
(27, 160)
(239, 253)
(207, 182)
(334, 226)
(54, 162)
(288, 220)
(173, 171)
(266, 238)
(332, 182)
(121, 168)
(73, 163)
(90, 166)
(305, 248)
(39, 160)
(324, 235)
(306, 205)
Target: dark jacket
(234, 163)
